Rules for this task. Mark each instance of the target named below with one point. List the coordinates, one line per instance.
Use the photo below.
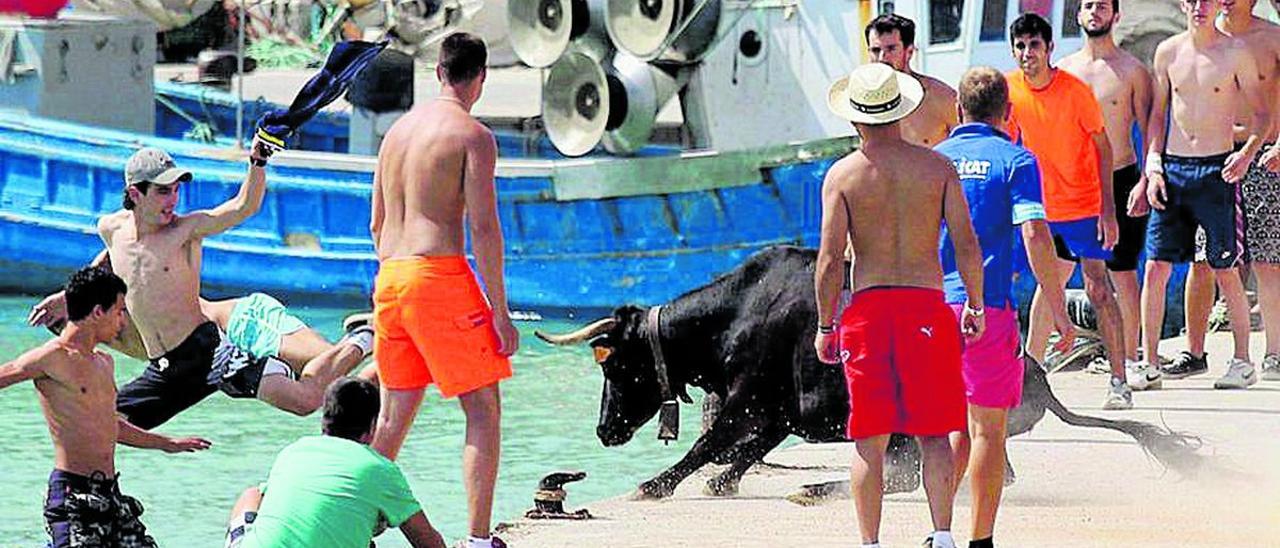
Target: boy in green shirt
(331, 491)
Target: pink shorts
(992, 365)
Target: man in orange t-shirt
(1056, 116)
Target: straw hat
(874, 94)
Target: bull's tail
(1171, 449)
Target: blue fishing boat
(578, 235)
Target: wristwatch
(975, 312)
(260, 162)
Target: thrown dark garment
(345, 62)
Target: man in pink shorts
(1002, 186)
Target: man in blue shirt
(1001, 182)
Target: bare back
(894, 198)
(932, 122)
(421, 181)
(162, 271)
(1204, 89)
(1122, 87)
(1262, 40)
(78, 395)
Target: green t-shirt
(325, 491)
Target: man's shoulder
(935, 87)
(112, 221)
(1072, 83)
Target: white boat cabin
(954, 35)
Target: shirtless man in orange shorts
(433, 323)
(899, 340)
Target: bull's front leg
(730, 426)
(743, 457)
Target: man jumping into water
(433, 323)
(257, 323)
(77, 390)
(1201, 76)
(899, 340)
(158, 254)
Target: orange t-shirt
(1057, 124)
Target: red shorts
(901, 351)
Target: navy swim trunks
(1197, 197)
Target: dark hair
(89, 287)
(983, 94)
(462, 56)
(1031, 24)
(142, 187)
(350, 408)
(889, 22)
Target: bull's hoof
(653, 489)
(817, 493)
(720, 487)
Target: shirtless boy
(899, 341)
(77, 390)
(1260, 187)
(1201, 75)
(158, 254)
(433, 323)
(891, 40)
(1122, 85)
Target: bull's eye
(602, 353)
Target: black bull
(747, 338)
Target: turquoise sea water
(550, 409)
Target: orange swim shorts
(433, 325)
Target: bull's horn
(580, 336)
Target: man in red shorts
(433, 323)
(900, 342)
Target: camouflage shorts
(88, 512)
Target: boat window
(1070, 19)
(944, 20)
(994, 15)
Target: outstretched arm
(243, 205)
(28, 367)
(136, 437)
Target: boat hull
(572, 245)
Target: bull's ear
(602, 353)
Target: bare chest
(1109, 85)
(1199, 80)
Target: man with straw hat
(899, 341)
